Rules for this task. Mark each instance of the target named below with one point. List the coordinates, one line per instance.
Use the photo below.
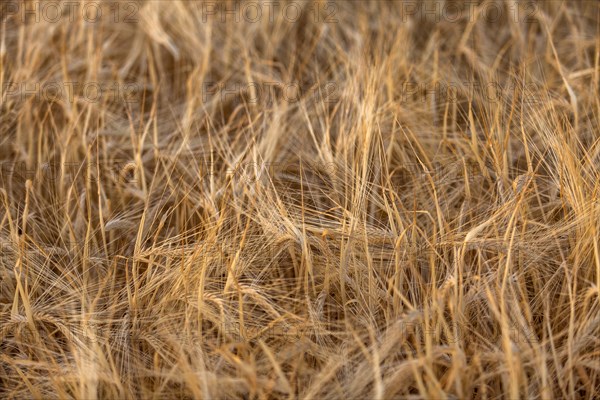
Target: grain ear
(118, 223)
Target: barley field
(295, 199)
